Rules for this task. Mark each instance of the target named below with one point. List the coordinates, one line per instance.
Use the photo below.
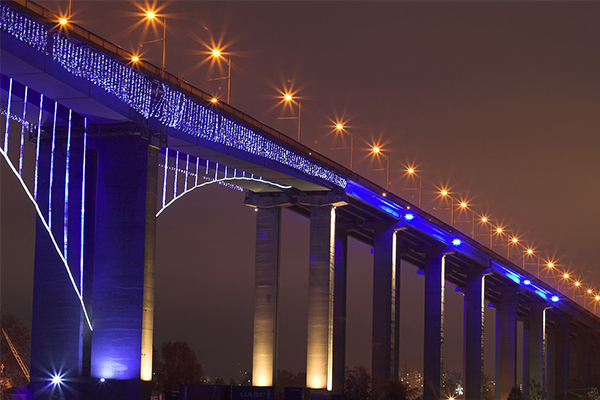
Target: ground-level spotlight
(555, 298)
(456, 242)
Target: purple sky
(497, 100)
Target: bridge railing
(145, 67)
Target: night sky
(498, 101)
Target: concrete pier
(506, 343)
(124, 265)
(433, 354)
(474, 329)
(339, 309)
(266, 296)
(319, 360)
(386, 307)
(60, 337)
(535, 347)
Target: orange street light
(411, 171)
(340, 128)
(445, 193)
(377, 151)
(216, 53)
(289, 98)
(151, 16)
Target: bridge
(89, 132)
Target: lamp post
(445, 193)
(514, 240)
(413, 172)
(528, 252)
(376, 150)
(340, 128)
(289, 98)
(151, 16)
(498, 230)
(216, 53)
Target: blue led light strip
(176, 174)
(47, 227)
(23, 131)
(68, 162)
(7, 116)
(24, 28)
(196, 178)
(81, 250)
(37, 147)
(187, 171)
(52, 167)
(164, 191)
(210, 181)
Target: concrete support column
(595, 360)
(583, 350)
(506, 343)
(535, 347)
(560, 356)
(124, 266)
(60, 337)
(433, 360)
(386, 308)
(319, 368)
(266, 296)
(339, 310)
(474, 329)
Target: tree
(357, 384)
(451, 383)
(287, 378)
(12, 376)
(487, 388)
(515, 393)
(178, 365)
(536, 391)
(396, 390)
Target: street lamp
(340, 128)
(411, 171)
(377, 151)
(528, 252)
(289, 98)
(216, 53)
(445, 193)
(151, 16)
